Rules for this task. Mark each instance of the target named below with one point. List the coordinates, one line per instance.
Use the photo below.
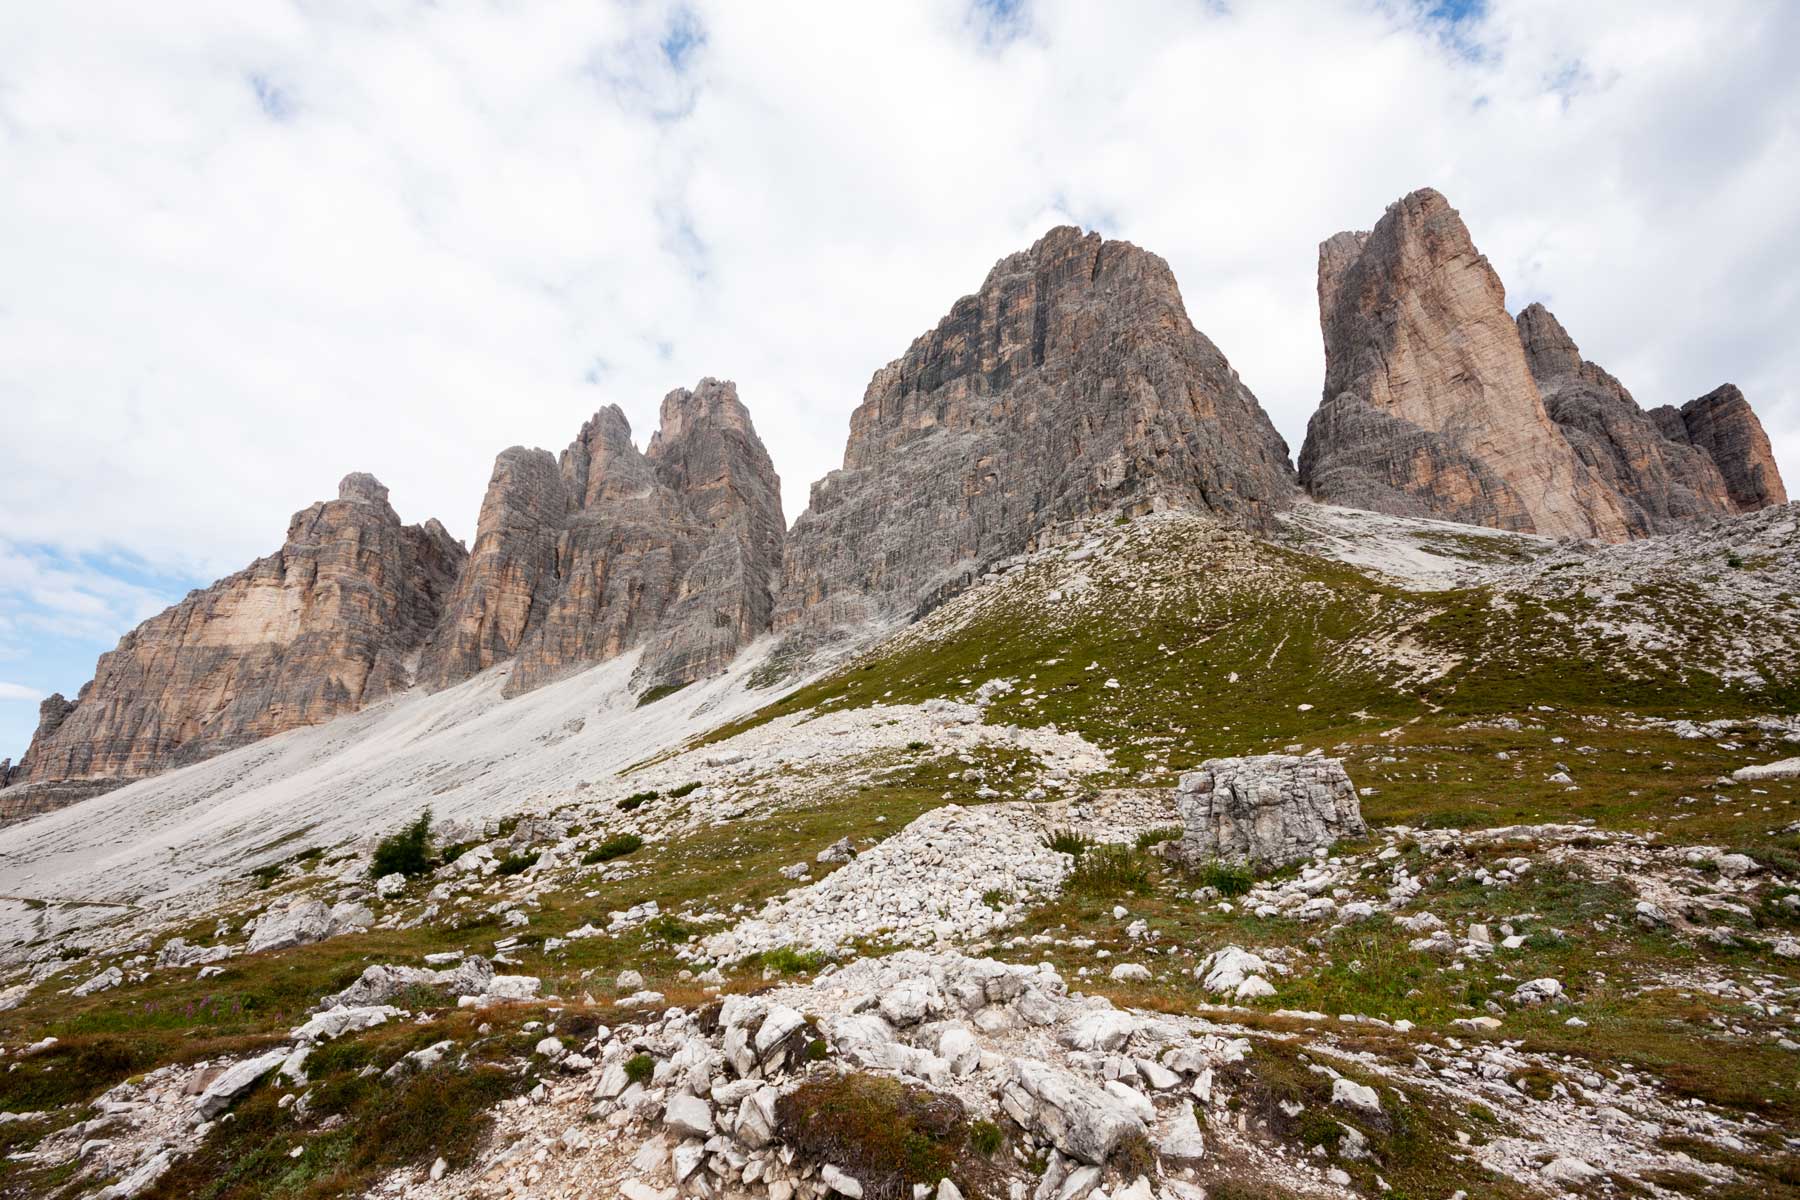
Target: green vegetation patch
(617, 846)
(890, 1136)
(407, 852)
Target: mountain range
(1068, 392)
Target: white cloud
(18, 691)
(257, 247)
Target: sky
(252, 245)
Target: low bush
(789, 961)
(617, 846)
(686, 788)
(1110, 871)
(889, 1136)
(639, 1068)
(407, 852)
(1067, 841)
(1155, 837)
(515, 864)
(1231, 879)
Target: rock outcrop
(1266, 810)
(1662, 484)
(1438, 404)
(329, 623)
(1723, 424)
(1071, 386)
(1430, 409)
(577, 560)
(511, 575)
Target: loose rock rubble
(954, 873)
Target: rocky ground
(930, 917)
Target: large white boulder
(1083, 1121)
(1267, 810)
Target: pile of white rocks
(1076, 1078)
(953, 873)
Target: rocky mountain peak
(1724, 426)
(1438, 403)
(329, 622)
(362, 488)
(712, 406)
(609, 548)
(1549, 350)
(1072, 386)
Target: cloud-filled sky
(253, 245)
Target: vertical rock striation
(1661, 484)
(330, 622)
(1438, 404)
(1723, 425)
(708, 453)
(1429, 407)
(510, 578)
(580, 559)
(1071, 385)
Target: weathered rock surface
(1072, 385)
(1268, 810)
(1723, 424)
(676, 548)
(709, 454)
(327, 624)
(1438, 404)
(1661, 483)
(511, 575)
(1430, 408)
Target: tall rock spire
(1437, 403)
(608, 548)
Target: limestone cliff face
(1662, 484)
(580, 559)
(510, 578)
(708, 453)
(1070, 386)
(330, 622)
(1438, 404)
(1723, 425)
(1430, 408)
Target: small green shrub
(268, 873)
(515, 864)
(1231, 879)
(636, 801)
(407, 852)
(1133, 1156)
(617, 846)
(639, 1068)
(918, 745)
(1110, 871)
(1067, 841)
(789, 961)
(985, 1138)
(658, 692)
(890, 1136)
(686, 788)
(1156, 837)
(668, 929)
(996, 898)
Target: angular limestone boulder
(1267, 810)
